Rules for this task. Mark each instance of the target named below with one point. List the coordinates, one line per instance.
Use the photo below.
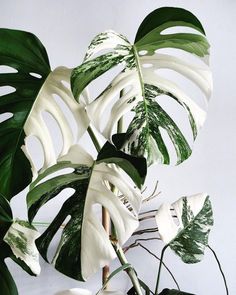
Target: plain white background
(66, 28)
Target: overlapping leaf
(17, 241)
(139, 85)
(84, 245)
(188, 235)
(24, 67)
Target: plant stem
(221, 270)
(130, 271)
(105, 214)
(159, 269)
(120, 122)
(106, 225)
(94, 139)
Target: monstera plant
(130, 130)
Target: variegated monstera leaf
(17, 241)
(140, 85)
(188, 235)
(27, 90)
(84, 245)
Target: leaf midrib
(140, 74)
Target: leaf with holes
(188, 235)
(140, 85)
(24, 67)
(84, 245)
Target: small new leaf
(189, 236)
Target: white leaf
(45, 102)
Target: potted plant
(130, 131)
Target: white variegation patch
(21, 238)
(45, 102)
(107, 39)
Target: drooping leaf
(140, 85)
(7, 284)
(17, 242)
(84, 245)
(174, 292)
(187, 237)
(21, 238)
(25, 69)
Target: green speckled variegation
(140, 84)
(188, 235)
(21, 238)
(84, 245)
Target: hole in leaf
(147, 65)
(68, 114)
(35, 150)
(4, 90)
(54, 130)
(5, 117)
(7, 70)
(35, 75)
(179, 29)
(142, 52)
(66, 84)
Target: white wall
(65, 28)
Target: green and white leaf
(84, 245)
(140, 82)
(25, 69)
(188, 235)
(21, 238)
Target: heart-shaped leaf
(188, 235)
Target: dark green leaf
(135, 167)
(5, 210)
(149, 35)
(23, 52)
(174, 292)
(164, 16)
(7, 284)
